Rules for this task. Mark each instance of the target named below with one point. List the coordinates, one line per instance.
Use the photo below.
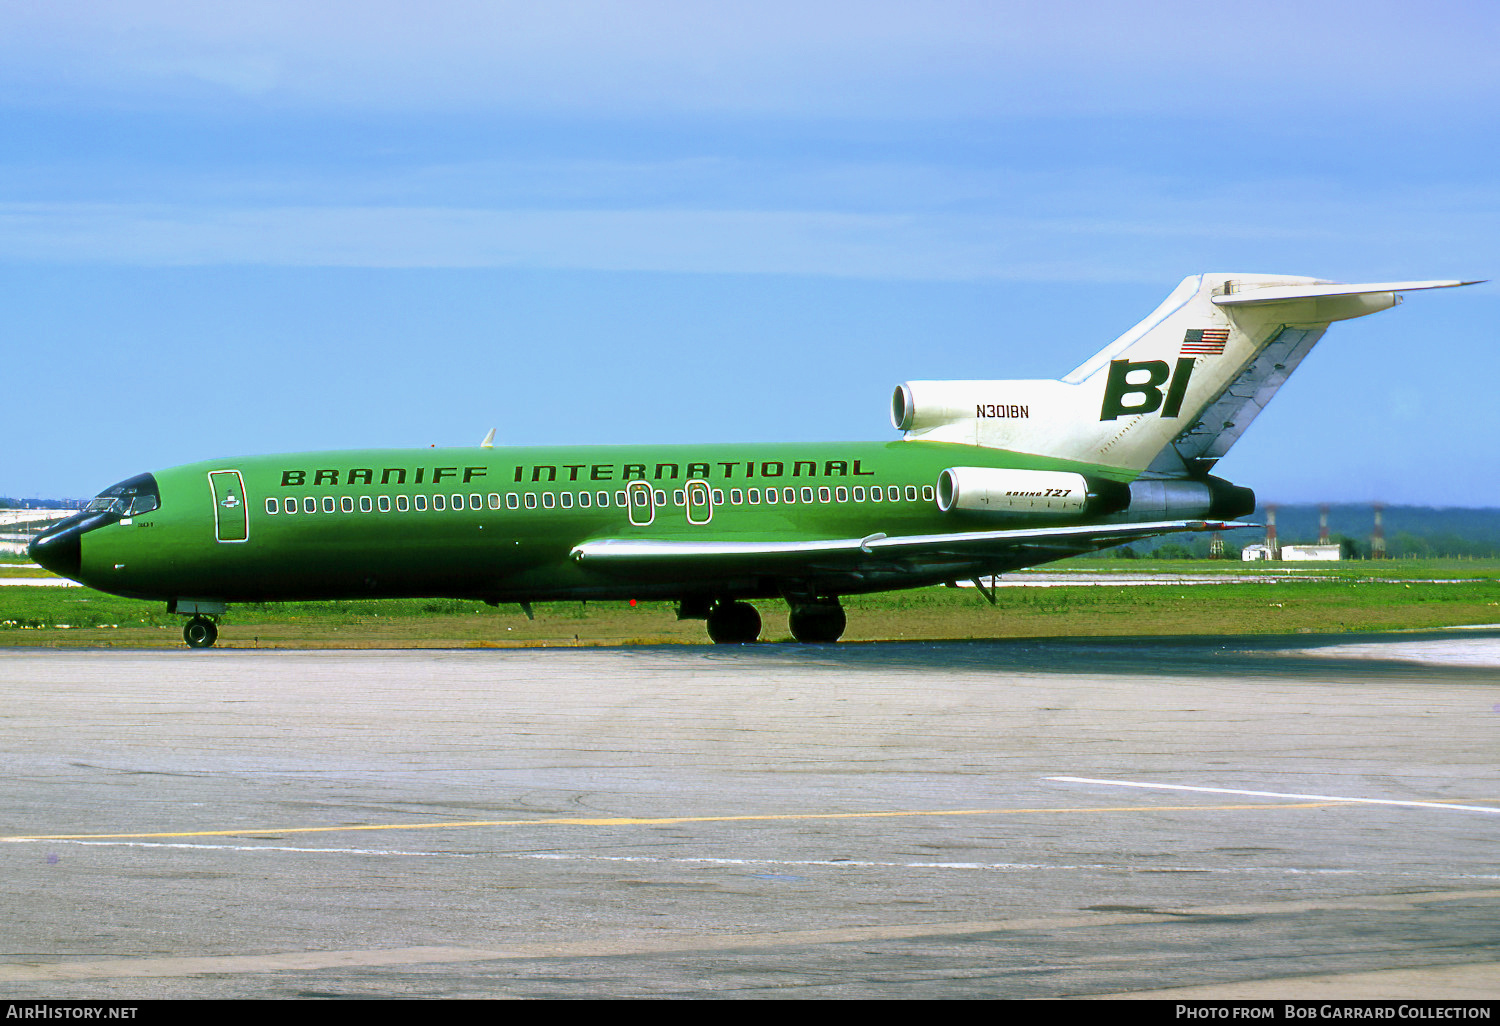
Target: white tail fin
(1169, 396)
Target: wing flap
(624, 552)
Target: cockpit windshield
(128, 498)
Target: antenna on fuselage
(489, 440)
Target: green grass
(1356, 569)
(1392, 596)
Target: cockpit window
(128, 498)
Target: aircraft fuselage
(501, 524)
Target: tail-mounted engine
(1032, 492)
(1063, 494)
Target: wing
(870, 561)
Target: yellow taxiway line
(669, 820)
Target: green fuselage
(502, 524)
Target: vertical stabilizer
(1172, 394)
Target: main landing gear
(733, 623)
(818, 622)
(813, 621)
(200, 632)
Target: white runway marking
(705, 860)
(1449, 806)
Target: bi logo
(1146, 395)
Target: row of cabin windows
(583, 500)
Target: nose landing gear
(200, 632)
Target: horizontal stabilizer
(1290, 293)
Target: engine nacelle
(1211, 497)
(1035, 492)
(922, 405)
(1057, 493)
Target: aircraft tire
(818, 624)
(200, 632)
(733, 623)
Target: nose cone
(58, 550)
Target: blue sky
(229, 228)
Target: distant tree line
(1410, 532)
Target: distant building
(1290, 553)
(1304, 552)
(19, 526)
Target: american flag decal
(1204, 341)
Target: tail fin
(1168, 397)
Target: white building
(1290, 553)
(1303, 552)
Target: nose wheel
(200, 632)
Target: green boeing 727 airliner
(989, 476)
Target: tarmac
(1206, 818)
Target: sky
(230, 228)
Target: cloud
(1150, 239)
(806, 58)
